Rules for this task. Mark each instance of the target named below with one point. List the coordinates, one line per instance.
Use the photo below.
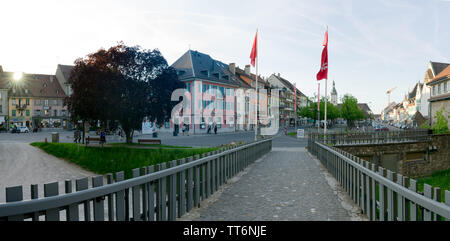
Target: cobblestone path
(286, 184)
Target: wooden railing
(161, 192)
(381, 194)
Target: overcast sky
(373, 45)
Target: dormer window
(44, 85)
(216, 75)
(226, 77)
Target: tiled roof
(194, 64)
(66, 70)
(445, 73)
(240, 72)
(289, 85)
(438, 67)
(413, 92)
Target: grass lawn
(146, 145)
(439, 179)
(292, 134)
(114, 159)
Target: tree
(125, 84)
(441, 125)
(310, 111)
(350, 110)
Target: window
(434, 89)
(13, 112)
(46, 102)
(200, 87)
(56, 112)
(445, 87)
(46, 112)
(188, 87)
(14, 101)
(439, 89)
(28, 101)
(37, 112)
(28, 112)
(0, 95)
(1, 109)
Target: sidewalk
(286, 184)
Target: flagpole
(295, 107)
(326, 97)
(325, 117)
(318, 108)
(256, 87)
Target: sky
(373, 45)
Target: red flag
(323, 73)
(253, 54)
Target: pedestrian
(102, 137)
(187, 129)
(75, 136)
(183, 128)
(209, 129)
(215, 128)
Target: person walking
(102, 137)
(75, 136)
(183, 128)
(215, 128)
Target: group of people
(77, 136)
(215, 129)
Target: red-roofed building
(440, 95)
(34, 100)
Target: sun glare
(17, 76)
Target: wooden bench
(89, 139)
(153, 141)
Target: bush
(441, 125)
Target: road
(23, 164)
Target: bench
(154, 141)
(89, 139)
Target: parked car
(381, 128)
(23, 129)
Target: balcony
(21, 107)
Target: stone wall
(409, 159)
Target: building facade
(3, 101)
(440, 95)
(34, 101)
(212, 88)
(287, 93)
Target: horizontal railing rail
(160, 193)
(374, 137)
(380, 193)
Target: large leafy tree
(310, 111)
(125, 84)
(350, 110)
